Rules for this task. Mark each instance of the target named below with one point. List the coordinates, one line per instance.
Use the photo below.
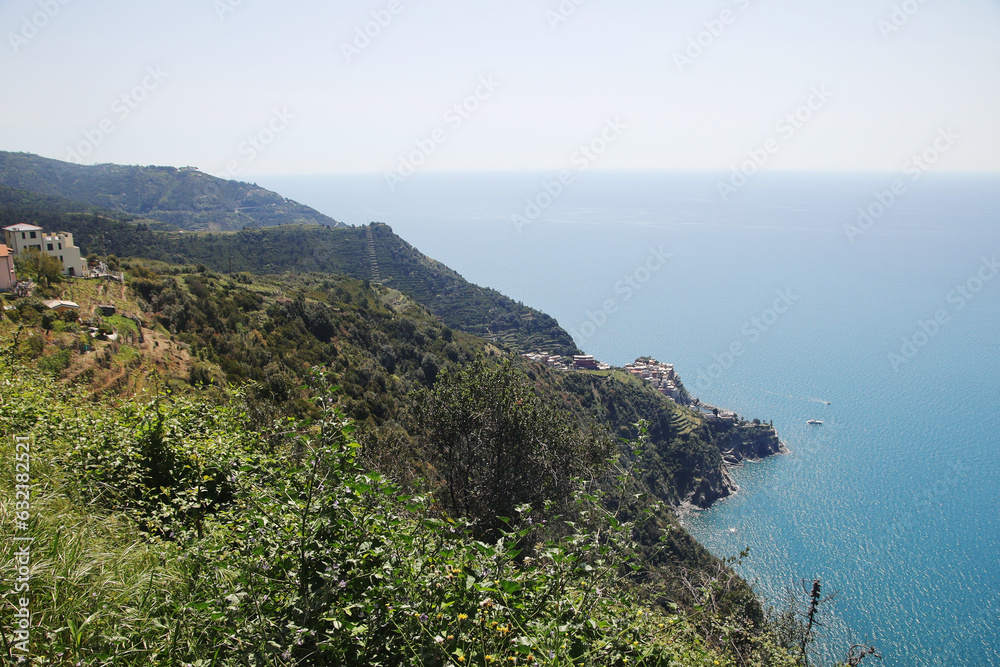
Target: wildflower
(462, 617)
(423, 618)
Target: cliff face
(739, 441)
(686, 459)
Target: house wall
(21, 241)
(61, 247)
(7, 277)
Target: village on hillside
(81, 308)
(662, 376)
(21, 239)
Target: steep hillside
(200, 328)
(176, 531)
(372, 253)
(186, 199)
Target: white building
(22, 237)
(61, 245)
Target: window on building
(60, 246)
(50, 247)
(22, 236)
(34, 235)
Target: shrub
(497, 445)
(55, 363)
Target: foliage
(271, 331)
(55, 363)
(338, 251)
(296, 555)
(498, 446)
(40, 267)
(183, 198)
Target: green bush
(55, 363)
(498, 446)
(177, 532)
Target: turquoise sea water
(767, 307)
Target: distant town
(662, 376)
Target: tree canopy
(497, 445)
(42, 268)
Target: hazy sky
(255, 87)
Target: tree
(497, 445)
(42, 268)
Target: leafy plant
(498, 446)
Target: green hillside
(137, 448)
(183, 198)
(179, 532)
(372, 253)
(312, 445)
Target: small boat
(814, 422)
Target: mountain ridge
(185, 198)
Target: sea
(867, 301)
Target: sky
(246, 88)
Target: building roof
(22, 227)
(55, 303)
(4, 250)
